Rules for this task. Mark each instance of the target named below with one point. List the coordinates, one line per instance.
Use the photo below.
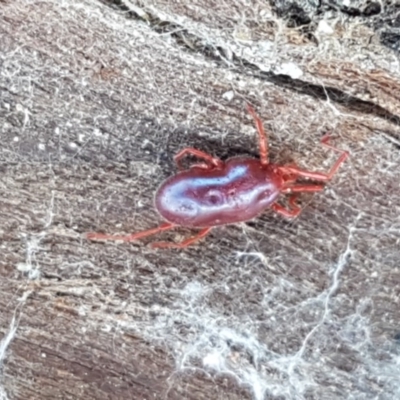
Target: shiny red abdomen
(238, 191)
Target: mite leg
(214, 161)
(131, 237)
(183, 244)
(263, 141)
(290, 178)
(319, 176)
(343, 155)
(303, 188)
(200, 165)
(293, 212)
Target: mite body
(238, 191)
(215, 192)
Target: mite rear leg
(183, 244)
(212, 161)
(130, 238)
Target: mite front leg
(295, 190)
(340, 160)
(263, 141)
(318, 176)
(292, 212)
(302, 188)
(212, 161)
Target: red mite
(215, 192)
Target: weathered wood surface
(95, 98)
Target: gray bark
(95, 99)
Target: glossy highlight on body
(214, 192)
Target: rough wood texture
(95, 100)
